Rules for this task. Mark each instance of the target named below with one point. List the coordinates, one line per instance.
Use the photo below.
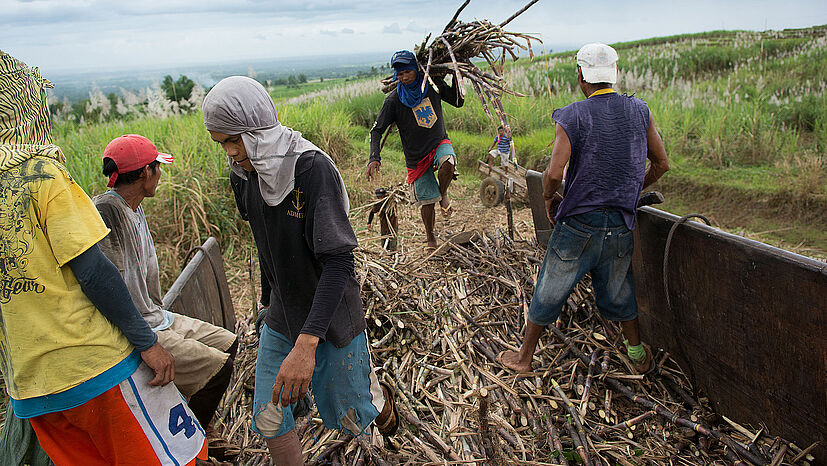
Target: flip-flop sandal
(447, 211)
(391, 425)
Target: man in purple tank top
(605, 140)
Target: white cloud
(413, 27)
(392, 29)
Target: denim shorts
(345, 388)
(425, 189)
(596, 242)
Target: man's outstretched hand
(373, 169)
(161, 362)
(296, 371)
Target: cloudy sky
(116, 34)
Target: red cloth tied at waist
(423, 165)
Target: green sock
(636, 353)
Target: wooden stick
(459, 85)
(627, 424)
(434, 438)
(585, 399)
(579, 444)
(558, 445)
(428, 69)
(804, 452)
(581, 432)
(456, 15)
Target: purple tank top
(608, 135)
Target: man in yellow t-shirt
(77, 358)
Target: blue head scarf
(410, 95)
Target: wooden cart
(497, 179)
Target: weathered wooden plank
(201, 291)
(542, 227)
(747, 318)
(517, 175)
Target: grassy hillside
(743, 114)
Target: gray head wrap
(240, 105)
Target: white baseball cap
(598, 62)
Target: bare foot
(511, 360)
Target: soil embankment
(782, 219)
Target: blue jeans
(346, 390)
(596, 242)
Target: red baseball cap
(131, 152)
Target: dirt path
(469, 214)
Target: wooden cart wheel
(492, 191)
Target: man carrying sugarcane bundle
(314, 329)
(417, 113)
(605, 140)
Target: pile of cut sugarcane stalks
(436, 327)
(452, 52)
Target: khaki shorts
(495, 153)
(199, 351)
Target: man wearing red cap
(204, 352)
(129, 153)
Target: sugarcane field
(413, 233)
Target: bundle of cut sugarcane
(453, 50)
(436, 327)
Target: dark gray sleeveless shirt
(608, 135)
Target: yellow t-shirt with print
(53, 338)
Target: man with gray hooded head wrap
(295, 201)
